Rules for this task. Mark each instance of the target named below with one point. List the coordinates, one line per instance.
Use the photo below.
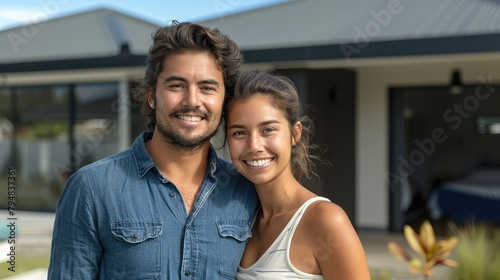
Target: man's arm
(76, 248)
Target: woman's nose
(255, 143)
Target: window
(488, 124)
(7, 154)
(46, 132)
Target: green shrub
(478, 253)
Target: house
(377, 77)
(378, 74)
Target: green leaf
(415, 266)
(444, 247)
(449, 263)
(415, 242)
(427, 234)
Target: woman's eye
(238, 133)
(268, 129)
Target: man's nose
(192, 97)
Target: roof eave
(125, 59)
(397, 48)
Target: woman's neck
(277, 198)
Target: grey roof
(93, 34)
(295, 30)
(302, 23)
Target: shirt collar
(144, 161)
(142, 158)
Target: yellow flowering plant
(431, 252)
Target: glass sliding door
(41, 138)
(95, 128)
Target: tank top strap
(310, 201)
(298, 215)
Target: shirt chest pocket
(137, 249)
(234, 234)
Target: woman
(296, 234)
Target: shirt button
(172, 194)
(187, 273)
(135, 236)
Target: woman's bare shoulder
(326, 216)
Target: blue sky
(22, 12)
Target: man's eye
(208, 88)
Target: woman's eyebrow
(260, 124)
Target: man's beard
(171, 136)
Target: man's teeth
(260, 162)
(190, 118)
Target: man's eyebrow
(210, 82)
(174, 78)
(181, 79)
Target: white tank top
(275, 264)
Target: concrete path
(35, 233)
(36, 274)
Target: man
(166, 208)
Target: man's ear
(150, 96)
(296, 133)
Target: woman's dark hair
(179, 38)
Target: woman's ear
(296, 133)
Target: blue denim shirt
(119, 218)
